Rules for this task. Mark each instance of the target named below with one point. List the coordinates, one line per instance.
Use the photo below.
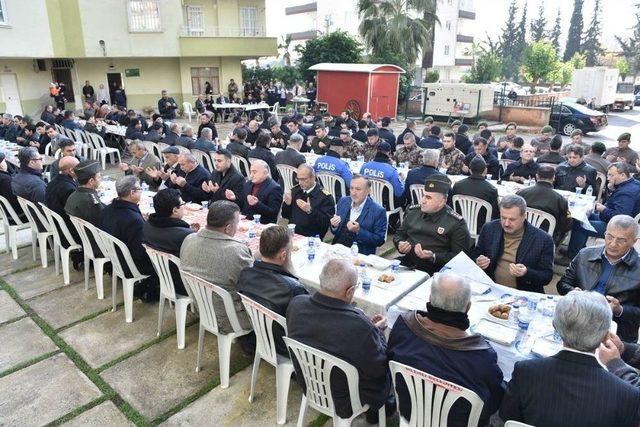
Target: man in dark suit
(225, 179)
(386, 134)
(542, 196)
(189, 179)
(291, 155)
(205, 122)
(524, 169)
(309, 206)
(237, 145)
(480, 148)
(430, 158)
(344, 331)
(263, 194)
(167, 106)
(513, 252)
(571, 388)
(171, 137)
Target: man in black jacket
(262, 152)
(5, 189)
(167, 106)
(262, 195)
(386, 134)
(291, 155)
(237, 144)
(575, 172)
(171, 137)
(481, 149)
(225, 182)
(189, 178)
(134, 130)
(205, 122)
(524, 169)
(270, 281)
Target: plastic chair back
(288, 174)
(316, 369)
(503, 166)
(9, 212)
(112, 247)
(84, 231)
(262, 321)
(416, 191)
(34, 215)
(204, 159)
(377, 193)
(59, 228)
(469, 207)
(601, 182)
(537, 218)
(432, 397)
(241, 164)
(334, 184)
(511, 423)
(162, 264)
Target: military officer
(409, 152)
(320, 144)
(432, 233)
(85, 203)
(308, 206)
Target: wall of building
(33, 86)
(526, 116)
(28, 21)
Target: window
(144, 16)
(248, 21)
(195, 20)
(446, 49)
(4, 20)
(201, 75)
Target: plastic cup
(292, 229)
(489, 176)
(256, 218)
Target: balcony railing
(222, 32)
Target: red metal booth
(359, 88)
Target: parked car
(637, 101)
(569, 116)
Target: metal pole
(501, 103)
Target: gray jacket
(626, 371)
(624, 284)
(218, 259)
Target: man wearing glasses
(612, 270)
(28, 182)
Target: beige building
(143, 45)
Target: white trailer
(456, 99)
(624, 96)
(595, 82)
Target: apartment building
(143, 45)
(306, 19)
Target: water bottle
(354, 250)
(145, 186)
(252, 232)
(549, 306)
(317, 242)
(524, 317)
(590, 191)
(395, 267)
(311, 253)
(205, 204)
(532, 182)
(578, 190)
(364, 277)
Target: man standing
(88, 92)
(167, 106)
(308, 206)
(432, 233)
(232, 88)
(408, 152)
(623, 153)
(263, 194)
(85, 202)
(513, 252)
(524, 169)
(575, 172)
(451, 158)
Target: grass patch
(320, 421)
(67, 417)
(87, 317)
(28, 363)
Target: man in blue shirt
(433, 140)
(380, 167)
(332, 163)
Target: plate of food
(387, 279)
(499, 313)
(192, 206)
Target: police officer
(308, 206)
(85, 203)
(333, 163)
(380, 167)
(432, 233)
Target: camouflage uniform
(541, 144)
(504, 139)
(370, 151)
(454, 158)
(412, 156)
(353, 149)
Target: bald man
(524, 169)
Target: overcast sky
(617, 16)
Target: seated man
(141, 161)
(186, 137)
(595, 159)
(207, 123)
(237, 143)
(263, 152)
(524, 169)
(575, 172)
(359, 219)
(352, 147)
(462, 139)
(171, 137)
(189, 178)
(8, 130)
(576, 139)
(480, 148)
(542, 196)
(217, 257)
(263, 194)
(5, 189)
(134, 130)
(270, 281)
(513, 252)
(61, 186)
(436, 341)
(343, 331)
(291, 155)
(309, 206)
(505, 140)
(165, 230)
(571, 388)
(624, 200)
(205, 141)
(432, 233)
(54, 137)
(623, 153)
(380, 167)
(451, 159)
(476, 185)
(85, 202)
(371, 146)
(622, 359)
(612, 270)
(332, 163)
(408, 152)
(386, 133)
(541, 143)
(225, 181)
(123, 220)
(67, 149)
(515, 150)
(361, 133)
(320, 143)
(553, 155)
(433, 139)
(28, 182)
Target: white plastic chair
(153, 148)
(241, 164)
(512, 423)
(34, 215)
(87, 232)
(59, 226)
(11, 230)
(377, 194)
(316, 367)
(110, 246)
(262, 320)
(601, 182)
(188, 110)
(432, 397)
(537, 218)
(274, 109)
(470, 207)
(202, 292)
(87, 147)
(503, 166)
(204, 159)
(102, 151)
(329, 182)
(287, 173)
(416, 191)
(162, 264)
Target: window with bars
(144, 16)
(249, 21)
(201, 75)
(3, 13)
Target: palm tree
(387, 25)
(286, 44)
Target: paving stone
(22, 341)
(231, 406)
(9, 309)
(105, 414)
(72, 303)
(108, 336)
(43, 392)
(25, 260)
(38, 281)
(165, 375)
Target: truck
(463, 100)
(595, 85)
(624, 96)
